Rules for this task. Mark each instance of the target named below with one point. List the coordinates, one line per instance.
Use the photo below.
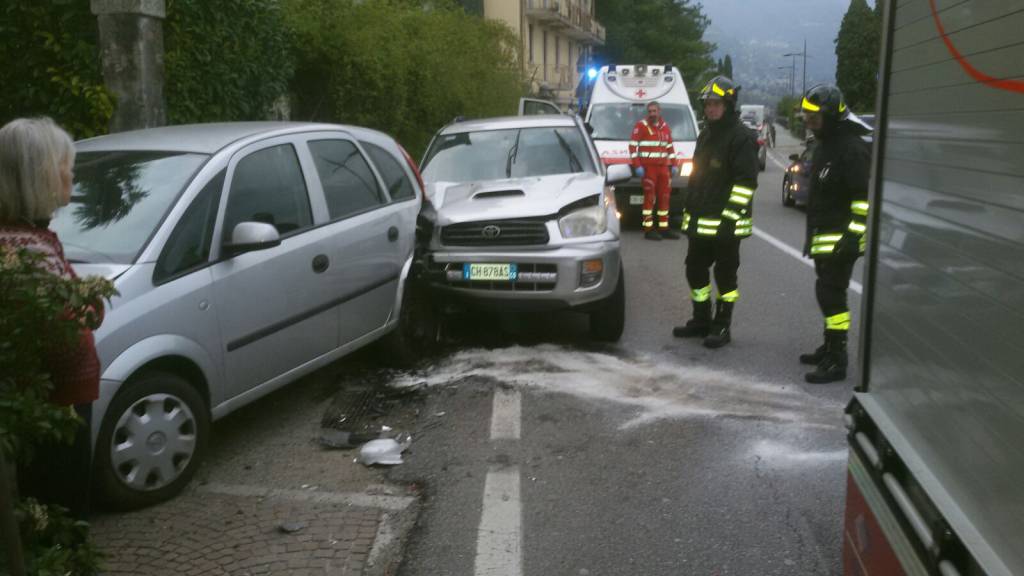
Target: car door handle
(392, 233)
(320, 263)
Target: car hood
(108, 271)
(510, 198)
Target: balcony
(569, 16)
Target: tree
(656, 32)
(857, 47)
(446, 63)
(727, 66)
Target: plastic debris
(291, 527)
(384, 451)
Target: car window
(268, 187)
(350, 186)
(119, 199)
(534, 107)
(398, 184)
(189, 244)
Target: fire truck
(936, 425)
(617, 101)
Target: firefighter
(837, 209)
(719, 212)
(653, 159)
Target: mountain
(756, 33)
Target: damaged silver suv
(524, 217)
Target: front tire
(609, 320)
(417, 330)
(787, 197)
(151, 441)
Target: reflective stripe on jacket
(651, 144)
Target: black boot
(652, 235)
(696, 327)
(814, 357)
(719, 335)
(832, 367)
(669, 234)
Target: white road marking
(854, 285)
(506, 416)
(777, 161)
(499, 544)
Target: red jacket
(74, 370)
(651, 145)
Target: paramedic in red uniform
(653, 159)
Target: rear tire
(152, 439)
(608, 321)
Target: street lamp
(791, 79)
(804, 55)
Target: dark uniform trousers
(834, 275)
(722, 252)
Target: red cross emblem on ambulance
(641, 93)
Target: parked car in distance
(796, 180)
(246, 255)
(525, 218)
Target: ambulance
(618, 100)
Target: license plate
(636, 200)
(490, 272)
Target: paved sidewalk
(268, 500)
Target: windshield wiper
(512, 153)
(574, 163)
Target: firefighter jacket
(651, 144)
(837, 205)
(720, 199)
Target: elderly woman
(36, 160)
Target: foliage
(350, 68)
(41, 313)
(857, 51)
(658, 31)
(788, 110)
(51, 65)
(225, 60)
(725, 66)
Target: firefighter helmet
(721, 88)
(828, 100)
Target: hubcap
(153, 442)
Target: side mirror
(618, 173)
(794, 157)
(251, 236)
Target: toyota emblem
(490, 231)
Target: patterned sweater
(74, 370)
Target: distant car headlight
(589, 221)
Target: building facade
(558, 38)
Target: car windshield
(616, 121)
(511, 153)
(118, 200)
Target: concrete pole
(132, 52)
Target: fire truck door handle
(924, 532)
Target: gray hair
(32, 153)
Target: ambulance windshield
(616, 121)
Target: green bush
(51, 65)
(400, 67)
(225, 60)
(41, 311)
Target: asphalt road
(540, 454)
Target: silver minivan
(246, 255)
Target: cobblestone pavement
(264, 475)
